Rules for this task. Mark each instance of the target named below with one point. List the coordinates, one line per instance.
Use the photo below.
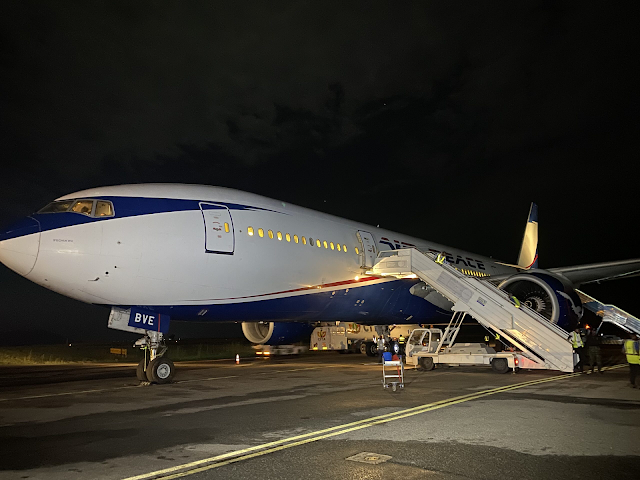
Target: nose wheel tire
(160, 370)
(140, 373)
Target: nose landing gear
(154, 367)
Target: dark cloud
(439, 120)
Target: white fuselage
(197, 252)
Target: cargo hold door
(218, 228)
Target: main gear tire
(372, 349)
(160, 370)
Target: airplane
(204, 253)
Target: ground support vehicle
(354, 338)
(425, 350)
(536, 342)
(273, 350)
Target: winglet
(528, 257)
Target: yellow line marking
(271, 447)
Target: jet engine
(276, 333)
(551, 296)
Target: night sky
(441, 120)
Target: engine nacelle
(276, 333)
(550, 295)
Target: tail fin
(528, 257)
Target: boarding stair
(534, 336)
(611, 313)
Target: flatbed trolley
(392, 372)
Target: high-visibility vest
(576, 340)
(631, 349)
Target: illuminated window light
(226, 227)
(332, 246)
(287, 237)
(357, 251)
(260, 232)
(325, 244)
(318, 243)
(279, 234)
(250, 231)
(344, 247)
(295, 238)
(304, 241)
(339, 248)
(270, 232)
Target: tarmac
(321, 415)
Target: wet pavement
(305, 417)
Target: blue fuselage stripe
(123, 206)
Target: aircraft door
(368, 245)
(218, 229)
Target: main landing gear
(155, 367)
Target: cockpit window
(104, 209)
(55, 207)
(83, 206)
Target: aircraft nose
(19, 245)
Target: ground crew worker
(631, 348)
(593, 348)
(578, 347)
(498, 347)
(515, 301)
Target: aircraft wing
(599, 272)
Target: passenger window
(260, 232)
(279, 236)
(339, 248)
(250, 231)
(56, 207)
(357, 251)
(270, 233)
(318, 243)
(104, 209)
(83, 206)
(304, 240)
(331, 245)
(287, 237)
(226, 227)
(295, 238)
(325, 244)
(311, 241)
(344, 248)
